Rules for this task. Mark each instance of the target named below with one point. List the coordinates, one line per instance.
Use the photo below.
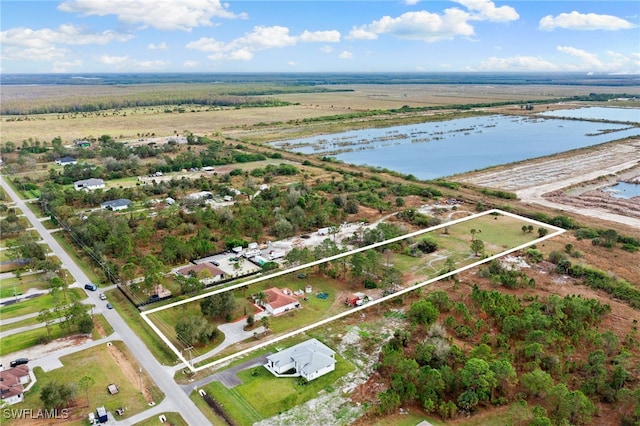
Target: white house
(116, 205)
(278, 301)
(216, 273)
(310, 359)
(12, 381)
(198, 196)
(88, 184)
(63, 161)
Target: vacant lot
(106, 365)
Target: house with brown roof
(12, 381)
(206, 272)
(279, 301)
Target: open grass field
(132, 317)
(36, 304)
(26, 339)
(106, 365)
(22, 284)
(174, 419)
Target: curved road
(175, 400)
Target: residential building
(116, 205)
(89, 184)
(214, 273)
(12, 381)
(64, 161)
(279, 301)
(310, 359)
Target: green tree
(57, 395)
(477, 246)
(537, 382)
(195, 329)
(219, 305)
(84, 384)
(46, 316)
(423, 312)
(476, 375)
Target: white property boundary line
(144, 315)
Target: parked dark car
(18, 361)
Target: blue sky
(90, 36)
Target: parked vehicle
(91, 287)
(103, 297)
(18, 361)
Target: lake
(628, 115)
(438, 149)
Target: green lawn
(100, 364)
(132, 317)
(174, 419)
(27, 339)
(22, 284)
(29, 321)
(36, 304)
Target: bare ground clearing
(552, 181)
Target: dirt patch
(560, 175)
(128, 370)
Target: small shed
(102, 414)
(113, 389)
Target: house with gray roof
(309, 359)
(88, 184)
(64, 161)
(116, 205)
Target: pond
(624, 190)
(438, 149)
(627, 115)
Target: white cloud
(159, 46)
(516, 63)
(487, 11)
(430, 27)
(149, 65)
(589, 59)
(345, 55)
(266, 38)
(190, 64)
(161, 14)
(260, 38)
(577, 60)
(326, 49)
(112, 60)
(584, 22)
(292, 63)
(320, 36)
(421, 25)
(411, 2)
(64, 66)
(46, 53)
(64, 34)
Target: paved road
(174, 400)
